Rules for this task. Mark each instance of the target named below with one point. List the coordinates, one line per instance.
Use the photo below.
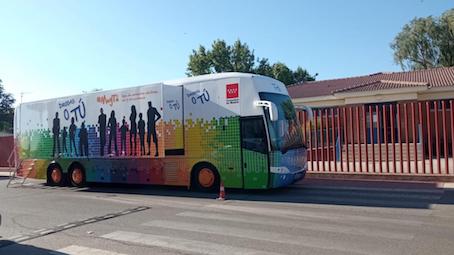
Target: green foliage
(264, 67)
(6, 110)
(426, 43)
(302, 75)
(446, 38)
(221, 56)
(199, 62)
(240, 58)
(282, 73)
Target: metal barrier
(405, 138)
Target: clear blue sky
(63, 47)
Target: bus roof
(214, 76)
(176, 82)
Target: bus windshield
(285, 133)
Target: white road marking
(180, 244)
(81, 250)
(268, 236)
(298, 214)
(323, 227)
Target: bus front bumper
(281, 178)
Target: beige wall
(392, 95)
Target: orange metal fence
(408, 138)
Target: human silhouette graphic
(64, 134)
(123, 130)
(142, 134)
(133, 131)
(72, 137)
(153, 116)
(112, 133)
(56, 134)
(83, 140)
(102, 131)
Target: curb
(381, 177)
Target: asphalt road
(313, 217)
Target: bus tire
(55, 176)
(205, 177)
(76, 175)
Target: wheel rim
(56, 175)
(77, 176)
(206, 177)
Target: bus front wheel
(205, 177)
(55, 175)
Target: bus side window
(254, 135)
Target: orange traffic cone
(221, 192)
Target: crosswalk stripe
(81, 250)
(181, 244)
(417, 212)
(324, 227)
(346, 199)
(299, 214)
(268, 236)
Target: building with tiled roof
(430, 84)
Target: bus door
(254, 153)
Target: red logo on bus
(231, 90)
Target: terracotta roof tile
(382, 85)
(436, 77)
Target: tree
(426, 43)
(221, 55)
(264, 68)
(302, 75)
(446, 38)
(199, 62)
(6, 110)
(240, 58)
(282, 73)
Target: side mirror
(272, 108)
(307, 109)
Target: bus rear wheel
(55, 175)
(76, 175)
(205, 177)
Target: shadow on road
(351, 193)
(13, 248)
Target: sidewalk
(370, 184)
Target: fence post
(344, 113)
(358, 140)
(391, 114)
(415, 144)
(365, 138)
(328, 156)
(429, 138)
(452, 134)
(339, 134)
(380, 165)
(371, 130)
(333, 131)
(350, 113)
(437, 136)
(385, 136)
(406, 137)
(316, 139)
(445, 138)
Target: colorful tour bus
(237, 128)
